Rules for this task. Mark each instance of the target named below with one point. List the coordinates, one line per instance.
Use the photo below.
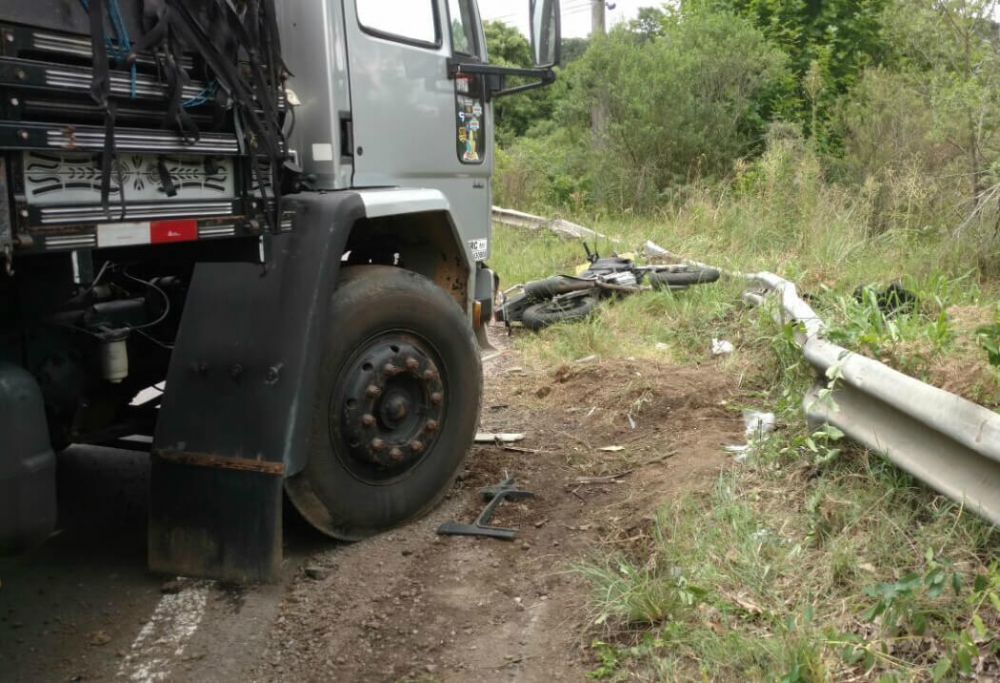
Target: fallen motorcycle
(562, 298)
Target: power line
(571, 7)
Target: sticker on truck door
(469, 120)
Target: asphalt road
(83, 606)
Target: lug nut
(430, 374)
(389, 370)
(412, 363)
(396, 454)
(417, 446)
(437, 397)
(368, 420)
(373, 391)
(431, 425)
(378, 445)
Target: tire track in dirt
(413, 606)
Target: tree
(572, 49)
(679, 105)
(506, 46)
(829, 40)
(649, 23)
(952, 54)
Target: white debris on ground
(758, 424)
(721, 347)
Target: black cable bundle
(221, 34)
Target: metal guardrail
(944, 440)
(556, 225)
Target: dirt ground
(406, 606)
(416, 606)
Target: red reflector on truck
(173, 231)
(153, 232)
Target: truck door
(413, 125)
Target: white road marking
(163, 639)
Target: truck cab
(253, 237)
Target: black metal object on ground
(562, 298)
(505, 490)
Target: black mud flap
(209, 518)
(27, 463)
(238, 405)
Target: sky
(575, 13)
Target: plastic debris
(489, 437)
(612, 449)
(758, 424)
(721, 347)
(741, 451)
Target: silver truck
(252, 235)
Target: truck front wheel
(398, 404)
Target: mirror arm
(547, 78)
(456, 67)
(495, 74)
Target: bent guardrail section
(944, 440)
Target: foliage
(828, 43)
(809, 562)
(953, 54)
(840, 144)
(572, 49)
(506, 46)
(989, 341)
(676, 106)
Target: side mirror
(545, 32)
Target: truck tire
(398, 404)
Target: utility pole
(597, 17)
(597, 31)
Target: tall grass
(780, 214)
(817, 561)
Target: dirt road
(406, 606)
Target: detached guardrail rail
(944, 440)
(556, 225)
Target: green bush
(639, 118)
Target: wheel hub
(392, 405)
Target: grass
(815, 561)
(775, 576)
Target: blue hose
(119, 51)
